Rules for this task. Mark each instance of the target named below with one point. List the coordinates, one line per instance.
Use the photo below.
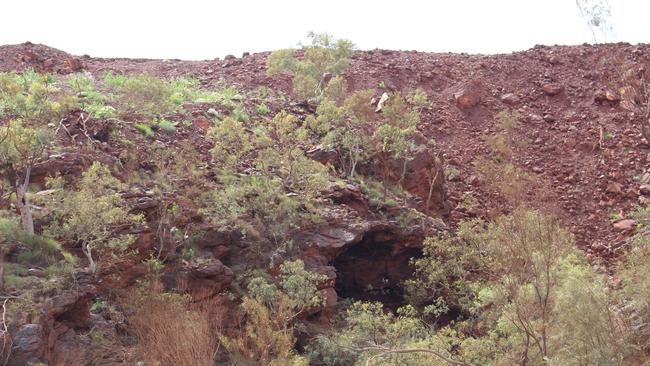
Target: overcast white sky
(195, 29)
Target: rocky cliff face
(581, 141)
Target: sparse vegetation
(166, 126)
(144, 129)
(268, 335)
(92, 216)
(263, 109)
(323, 55)
(213, 228)
(21, 147)
(169, 334)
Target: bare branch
(388, 351)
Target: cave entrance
(374, 270)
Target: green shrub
(240, 114)
(42, 251)
(188, 253)
(375, 192)
(507, 121)
(144, 129)
(324, 54)
(634, 271)
(268, 335)
(33, 96)
(231, 142)
(33, 249)
(373, 336)
(419, 99)
(283, 189)
(143, 95)
(392, 139)
(167, 126)
(343, 128)
(90, 99)
(89, 214)
(256, 205)
(263, 109)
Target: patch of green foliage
(281, 192)
(271, 311)
(523, 293)
(241, 115)
(91, 215)
(166, 126)
(419, 99)
(323, 54)
(144, 129)
(263, 109)
(143, 95)
(90, 99)
(147, 97)
(33, 96)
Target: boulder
(510, 99)
(329, 294)
(468, 96)
(552, 88)
(28, 344)
(614, 187)
(624, 225)
(606, 96)
(204, 275)
(55, 339)
(644, 189)
(74, 64)
(210, 268)
(323, 155)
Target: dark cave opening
(374, 270)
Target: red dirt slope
(587, 150)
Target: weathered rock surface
(27, 345)
(469, 95)
(552, 89)
(356, 250)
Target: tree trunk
(386, 170)
(2, 267)
(403, 175)
(433, 181)
(22, 202)
(353, 164)
(87, 249)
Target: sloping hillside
(559, 129)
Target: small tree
(373, 336)
(345, 128)
(392, 137)
(231, 143)
(20, 148)
(32, 100)
(268, 338)
(93, 216)
(323, 58)
(522, 284)
(269, 186)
